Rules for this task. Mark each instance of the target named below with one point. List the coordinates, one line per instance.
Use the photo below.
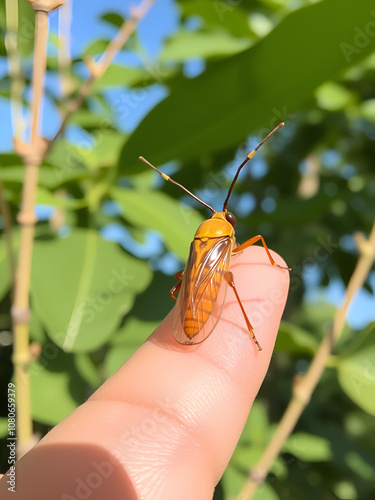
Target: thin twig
(304, 388)
(99, 68)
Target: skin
(165, 425)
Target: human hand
(165, 425)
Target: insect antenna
(169, 179)
(249, 156)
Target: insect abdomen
(194, 320)
(204, 284)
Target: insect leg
(177, 287)
(230, 279)
(253, 240)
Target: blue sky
(158, 24)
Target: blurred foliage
(115, 234)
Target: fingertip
(206, 390)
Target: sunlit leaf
(94, 284)
(105, 148)
(253, 89)
(49, 176)
(356, 370)
(187, 44)
(96, 47)
(124, 77)
(126, 341)
(333, 97)
(308, 447)
(227, 16)
(155, 210)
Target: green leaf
(345, 490)
(54, 39)
(187, 44)
(46, 197)
(87, 369)
(233, 481)
(356, 370)
(334, 97)
(89, 120)
(134, 332)
(220, 15)
(26, 28)
(256, 88)
(308, 447)
(124, 77)
(359, 465)
(105, 149)
(96, 47)
(248, 451)
(3, 52)
(36, 330)
(9, 159)
(291, 338)
(51, 176)
(81, 287)
(56, 387)
(3, 427)
(100, 149)
(126, 341)
(113, 18)
(66, 158)
(5, 270)
(253, 438)
(155, 210)
(367, 109)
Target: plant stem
(303, 390)
(32, 155)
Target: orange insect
(200, 287)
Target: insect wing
(202, 294)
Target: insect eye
(231, 218)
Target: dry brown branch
(306, 384)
